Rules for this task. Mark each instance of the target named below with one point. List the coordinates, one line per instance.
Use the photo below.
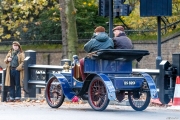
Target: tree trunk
(68, 26)
(63, 27)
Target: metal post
(48, 59)
(4, 89)
(110, 18)
(158, 58)
(26, 77)
(30, 59)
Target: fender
(151, 84)
(65, 86)
(109, 86)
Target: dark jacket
(122, 42)
(100, 41)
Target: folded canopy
(126, 54)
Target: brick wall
(169, 46)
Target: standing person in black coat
(121, 41)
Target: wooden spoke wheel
(139, 100)
(97, 94)
(53, 93)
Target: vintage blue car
(110, 78)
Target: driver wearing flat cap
(121, 41)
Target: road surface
(71, 111)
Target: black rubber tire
(97, 94)
(146, 102)
(54, 91)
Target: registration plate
(129, 82)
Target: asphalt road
(69, 111)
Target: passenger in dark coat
(121, 41)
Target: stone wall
(168, 47)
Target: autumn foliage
(40, 19)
